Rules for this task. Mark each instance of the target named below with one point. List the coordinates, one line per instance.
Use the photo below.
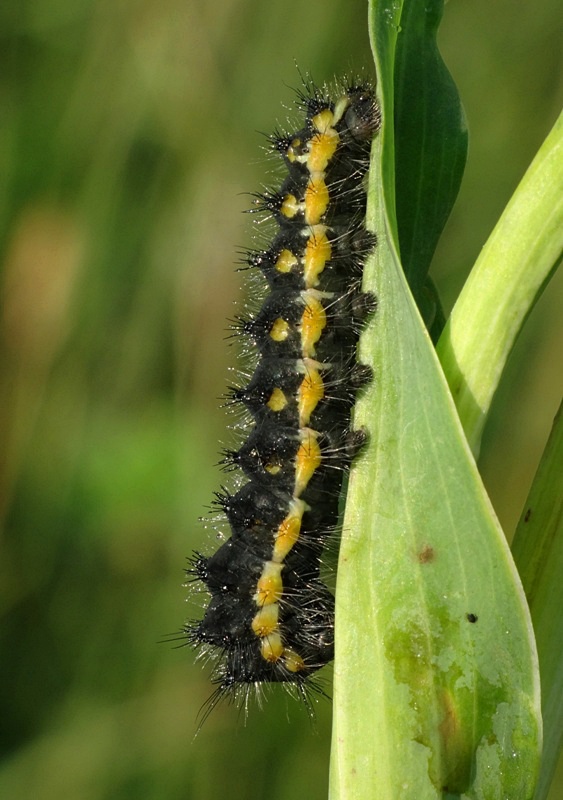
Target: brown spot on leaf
(426, 555)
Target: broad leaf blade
(435, 690)
(426, 699)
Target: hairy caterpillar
(270, 618)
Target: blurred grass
(127, 137)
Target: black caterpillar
(270, 617)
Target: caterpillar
(270, 617)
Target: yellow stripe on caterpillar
(270, 585)
(265, 621)
(307, 460)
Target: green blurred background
(128, 136)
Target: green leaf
(430, 140)
(436, 689)
(538, 551)
(515, 264)
(427, 146)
